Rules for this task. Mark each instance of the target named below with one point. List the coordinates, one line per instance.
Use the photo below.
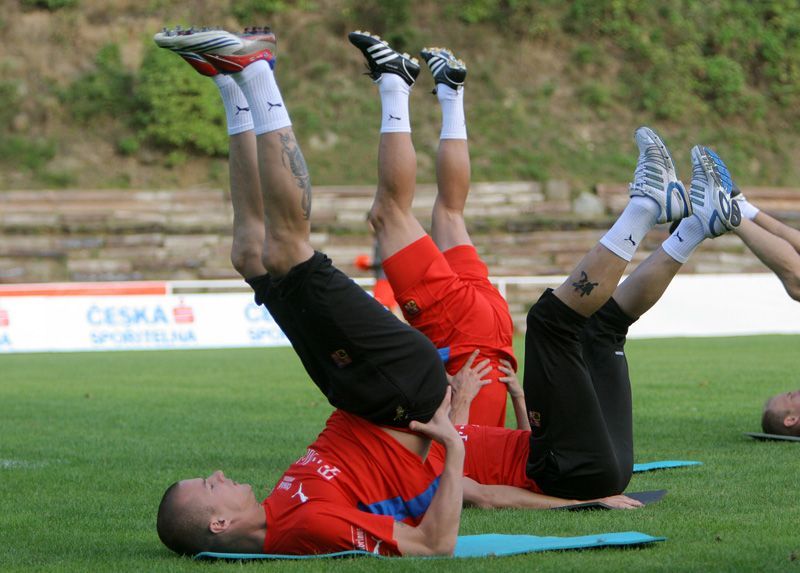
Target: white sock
(237, 110)
(686, 238)
(454, 123)
(394, 92)
(257, 82)
(636, 220)
(749, 211)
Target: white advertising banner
(694, 305)
(78, 323)
(721, 305)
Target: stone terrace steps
(523, 228)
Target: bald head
(211, 514)
(182, 524)
(781, 414)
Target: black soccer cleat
(382, 59)
(444, 66)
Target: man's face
(218, 492)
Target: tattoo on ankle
(584, 286)
(293, 158)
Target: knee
(610, 479)
(246, 258)
(384, 212)
(601, 479)
(282, 253)
(792, 285)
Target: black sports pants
(365, 360)
(577, 389)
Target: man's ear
(219, 525)
(791, 420)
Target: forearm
(459, 412)
(776, 253)
(521, 413)
(442, 519)
(437, 533)
(505, 496)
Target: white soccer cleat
(198, 41)
(710, 193)
(656, 179)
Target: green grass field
(89, 442)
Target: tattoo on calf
(293, 158)
(584, 286)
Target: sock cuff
(685, 239)
(611, 246)
(668, 247)
(251, 72)
(749, 211)
(392, 83)
(445, 92)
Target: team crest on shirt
(535, 418)
(410, 307)
(341, 358)
(400, 414)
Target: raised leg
(777, 246)
(395, 73)
(577, 385)
(448, 228)
(248, 206)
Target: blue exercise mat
(663, 465)
(486, 545)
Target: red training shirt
(346, 493)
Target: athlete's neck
(247, 534)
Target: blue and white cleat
(656, 179)
(711, 191)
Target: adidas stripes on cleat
(444, 66)
(198, 41)
(382, 59)
(210, 50)
(656, 179)
(257, 44)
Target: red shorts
(493, 456)
(448, 297)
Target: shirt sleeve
(323, 527)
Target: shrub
(33, 154)
(9, 101)
(105, 90)
(723, 84)
(176, 108)
(51, 5)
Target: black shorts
(577, 389)
(365, 360)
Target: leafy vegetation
(554, 88)
(182, 113)
(106, 90)
(50, 4)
